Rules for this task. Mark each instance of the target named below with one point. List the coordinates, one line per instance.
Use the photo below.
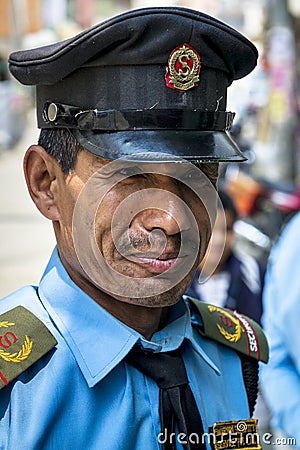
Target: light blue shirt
(281, 303)
(82, 395)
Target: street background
(266, 188)
(26, 237)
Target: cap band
(61, 115)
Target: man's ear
(40, 171)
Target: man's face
(134, 230)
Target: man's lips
(156, 264)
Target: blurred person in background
(3, 69)
(233, 280)
(13, 108)
(281, 304)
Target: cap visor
(161, 145)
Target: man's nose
(170, 213)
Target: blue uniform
(281, 302)
(82, 395)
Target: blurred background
(266, 188)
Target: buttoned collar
(98, 340)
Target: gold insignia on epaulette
(229, 321)
(25, 340)
(10, 338)
(232, 329)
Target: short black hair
(62, 146)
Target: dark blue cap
(143, 85)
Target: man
(133, 124)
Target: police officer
(106, 353)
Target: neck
(145, 320)
(140, 318)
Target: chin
(164, 299)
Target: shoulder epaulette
(230, 328)
(24, 339)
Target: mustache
(154, 244)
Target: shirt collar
(98, 340)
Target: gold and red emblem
(183, 68)
(234, 326)
(24, 339)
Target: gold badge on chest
(240, 434)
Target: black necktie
(177, 405)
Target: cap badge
(183, 68)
